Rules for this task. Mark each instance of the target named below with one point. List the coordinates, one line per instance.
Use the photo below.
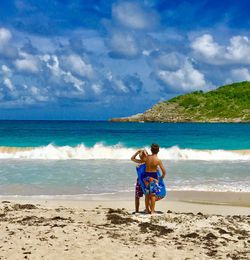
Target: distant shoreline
(120, 120)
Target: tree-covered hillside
(230, 103)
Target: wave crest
(116, 152)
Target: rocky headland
(229, 103)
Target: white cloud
(5, 36)
(169, 61)
(97, 88)
(7, 82)
(62, 75)
(128, 28)
(77, 83)
(206, 46)
(134, 16)
(52, 62)
(123, 45)
(121, 86)
(27, 63)
(116, 83)
(39, 94)
(184, 79)
(6, 70)
(237, 52)
(241, 74)
(7, 74)
(77, 65)
(6, 49)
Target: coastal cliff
(229, 103)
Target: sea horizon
(108, 120)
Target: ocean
(81, 158)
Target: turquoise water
(70, 158)
(18, 177)
(72, 133)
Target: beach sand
(188, 225)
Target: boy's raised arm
(163, 170)
(133, 158)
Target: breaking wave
(116, 152)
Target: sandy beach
(107, 229)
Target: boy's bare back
(152, 162)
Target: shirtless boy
(152, 162)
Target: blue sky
(74, 59)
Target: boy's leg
(138, 194)
(152, 203)
(137, 204)
(147, 198)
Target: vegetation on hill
(230, 103)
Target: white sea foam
(116, 152)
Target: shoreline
(209, 202)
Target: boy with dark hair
(155, 148)
(151, 177)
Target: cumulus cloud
(239, 50)
(65, 75)
(130, 84)
(58, 75)
(6, 71)
(208, 50)
(128, 29)
(241, 74)
(69, 60)
(134, 16)
(40, 94)
(177, 74)
(97, 88)
(123, 45)
(7, 89)
(6, 49)
(206, 46)
(5, 36)
(7, 82)
(27, 63)
(168, 61)
(185, 79)
(78, 66)
(126, 85)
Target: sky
(98, 59)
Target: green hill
(230, 103)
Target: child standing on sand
(151, 178)
(138, 190)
